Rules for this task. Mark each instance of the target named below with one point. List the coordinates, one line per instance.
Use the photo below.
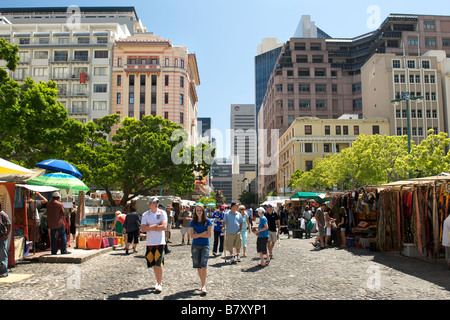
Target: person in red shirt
(55, 222)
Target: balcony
(143, 67)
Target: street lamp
(284, 180)
(406, 97)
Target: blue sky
(225, 34)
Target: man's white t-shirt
(154, 238)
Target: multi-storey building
(308, 139)
(150, 76)
(204, 129)
(74, 51)
(319, 76)
(243, 147)
(221, 177)
(387, 76)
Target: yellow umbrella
(7, 167)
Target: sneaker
(158, 287)
(232, 260)
(238, 258)
(203, 290)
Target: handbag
(81, 242)
(94, 242)
(105, 242)
(309, 225)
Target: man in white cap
(154, 223)
(55, 222)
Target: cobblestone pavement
(297, 272)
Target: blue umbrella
(59, 166)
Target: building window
(24, 41)
(413, 41)
(411, 64)
(61, 56)
(280, 88)
(321, 103)
(131, 98)
(375, 129)
(181, 117)
(40, 55)
(430, 42)
(99, 105)
(102, 39)
(166, 115)
(100, 71)
(182, 63)
(446, 42)
(119, 61)
(355, 130)
(396, 64)
(428, 25)
(119, 98)
(101, 54)
(305, 104)
(338, 130)
(334, 88)
(308, 130)
(291, 104)
(166, 80)
(321, 88)
(80, 56)
(119, 80)
(345, 130)
(327, 130)
(308, 165)
(167, 62)
(181, 99)
(303, 72)
(83, 40)
(303, 87)
(326, 147)
(181, 81)
(131, 80)
(402, 78)
(356, 87)
(40, 72)
(290, 87)
(166, 98)
(308, 147)
(100, 88)
(432, 78)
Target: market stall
(410, 215)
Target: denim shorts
(200, 255)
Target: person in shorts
(232, 225)
(154, 223)
(320, 218)
(263, 236)
(185, 218)
(201, 231)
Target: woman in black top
(132, 225)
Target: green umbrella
(59, 180)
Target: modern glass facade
(264, 64)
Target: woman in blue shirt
(263, 235)
(200, 229)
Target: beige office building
(386, 76)
(311, 138)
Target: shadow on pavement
(138, 294)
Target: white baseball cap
(56, 194)
(153, 200)
(261, 209)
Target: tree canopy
(374, 160)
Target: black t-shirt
(272, 220)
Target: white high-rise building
(72, 46)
